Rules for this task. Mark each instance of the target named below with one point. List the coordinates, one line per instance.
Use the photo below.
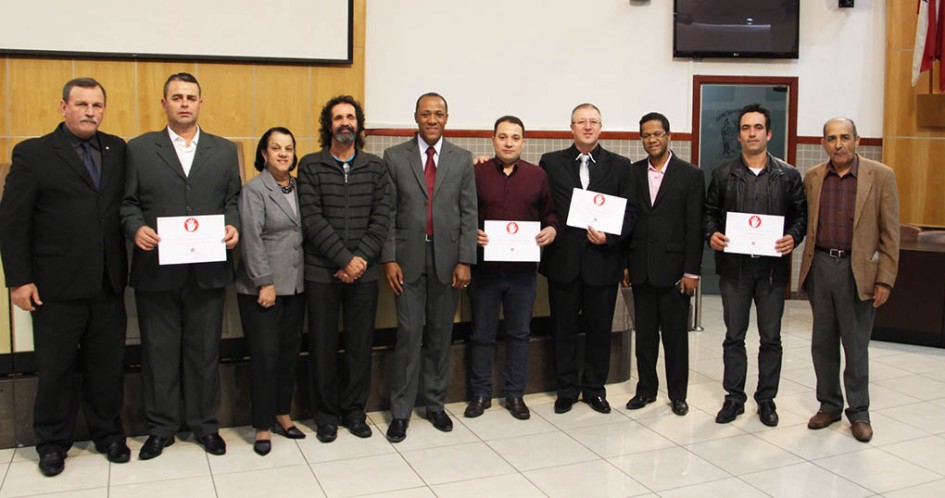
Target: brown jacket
(875, 254)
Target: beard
(344, 135)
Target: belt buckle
(836, 253)
(428, 238)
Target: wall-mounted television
(758, 29)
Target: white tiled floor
(649, 452)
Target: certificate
(512, 241)
(754, 234)
(601, 211)
(191, 239)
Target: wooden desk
(915, 311)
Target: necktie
(90, 163)
(585, 171)
(429, 174)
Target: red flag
(926, 38)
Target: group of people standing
(320, 240)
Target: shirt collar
(424, 145)
(77, 142)
(501, 167)
(592, 154)
(177, 138)
(649, 165)
(853, 169)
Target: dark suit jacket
(455, 215)
(56, 229)
(571, 256)
(156, 186)
(667, 238)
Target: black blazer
(156, 186)
(571, 255)
(56, 229)
(667, 238)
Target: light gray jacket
(271, 239)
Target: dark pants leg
(517, 304)
(274, 336)
(323, 301)
(736, 306)
(359, 303)
(485, 297)
(597, 316)
(564, 299)
(769, 305)
(84, 335)
(662, 312)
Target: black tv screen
(761, 29)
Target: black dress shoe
(397, 430)
(327, 433)
(291, 433)
(680, 407)
(154, 446)
(116, 452)
(262, 447)
(516, 406)
(441, 420)
(477, 406)
(730, 410)
(639, 401)
(598, 403)
(213, 444)
(563, 405)
(52, 463)
(768, 413)
(359, 428)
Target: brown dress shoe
(477, 406)
(862, 431)
(517, 407)
(822, 420)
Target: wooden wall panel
(119, 83)
(6, 149)
(919, 177)
(328, 82)
(150, 90)
(900, 108)
(228, 96)
(34, 94)
(4, 99)
(900, 35)
(284, 99)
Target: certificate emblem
(599, 200)
(511, 228)
(754, 221)
(191, 225)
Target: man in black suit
(180, 171)
(664, 261)
(584, 266)
(64, 260)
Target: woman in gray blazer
(269, 285)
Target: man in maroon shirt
(509, 189)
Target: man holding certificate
(189, 179)
(516, 218)
(747, 195)
(585, 263)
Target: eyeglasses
(658, 135)
(585, 122)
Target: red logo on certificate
(191, 225)
(754, 221)
(511, 228)
(599, 200)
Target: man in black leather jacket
(758, 183)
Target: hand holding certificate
(512, 241)
(753, 234)
(602, 211)
(191, 239)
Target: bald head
(841, 121)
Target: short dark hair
(186, 78)
(655, 116)
(508, 119)
(755, 108)
(431, 94)
(81, 83)
(324, 120)
(260, 162)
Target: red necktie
(429, 173)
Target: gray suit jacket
(454, 210)
(271, 239)
(156, 186)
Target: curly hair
(324, 121)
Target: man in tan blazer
(849, 267)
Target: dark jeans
(515, 293)
(662, 312)
(274, 336)
(737, 296)
(339, 392)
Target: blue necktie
(90, 163)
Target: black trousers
(340, 391)
(661, 312)
(577, 307)
(180, 356)
(274, 337)
(84, 337)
